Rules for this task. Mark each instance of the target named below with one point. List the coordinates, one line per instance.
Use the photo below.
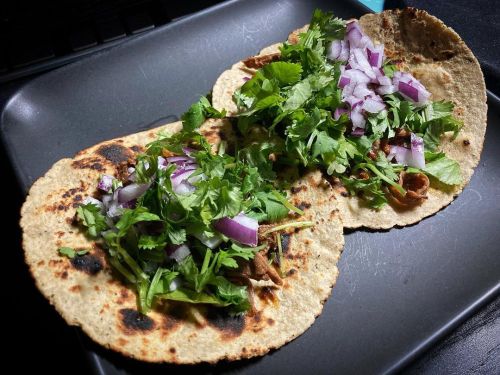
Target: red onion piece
(344, 81)
(353, 101)
(372, 105)
(356, 75)
(384, 90)
(358, 132)
(361, 91)
(105, 183)
(357, 118)
(334, 50)
(344, 52)
(188, 150)
(376, 55)
(178, 252)
(210, 242)
(175, 284)
(93, 201)
(131, 192)
(417, 152)
(354, 34)
(339, 112)
(241, 228)
(413, 157)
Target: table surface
(474, 347)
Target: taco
(392, 108)
(266, 296)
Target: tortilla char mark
(133, 321)
(115, 153)
(285, 242)
(229, 326)
(88, 263)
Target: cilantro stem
(116, 263)
(280, 252)
(151, 290)
(286, 203)
(131, 263)
(295, 224)
(382, 176)
(142, 288)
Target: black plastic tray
(398, 292)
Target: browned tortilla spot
(87, 263)
(115, 153)
(225, 323)
(133, 321)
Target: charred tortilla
(88, 294)
(436, 56)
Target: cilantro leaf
(67, 251)
(285, 73)
(444, 170)
(198, 113)
(331, 27)
(91, 217)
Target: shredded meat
(262, 269)
(256, 62)
(258, 269)
(416, 186)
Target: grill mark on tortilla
(285, 242)
(304, 205)
(88, 163)
(88, 263)
(134, 321)
(115, 153)
(229, 326)
(267, 295)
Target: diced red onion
(376, 55)
(179, 160)
(211, 242)
(241, 228)
(372, 105)
(344, 53)
(344, 81)
(417, 151)
(178, 252)
(353, 101)
(106, 200)
(384, 90)
(93, 201)
(357, 118)
(188, 150)
(182, 170)
(334, 50)
(246, 79)
(131, 176)
(418, 95)
(175, 284)
(358, 132)
(183, 188)
(339, 112)
(413, 157)
(131, 192)
(356, 75)
(361, 91)
(105, 183)
(354, 34)
(362, 62)
(115, 209)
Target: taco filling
(335, 101)
(183, 224)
